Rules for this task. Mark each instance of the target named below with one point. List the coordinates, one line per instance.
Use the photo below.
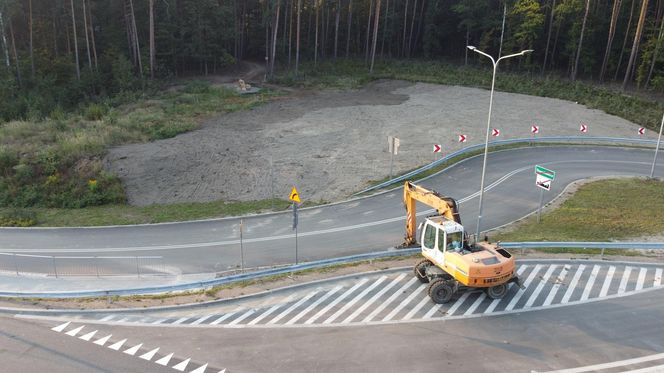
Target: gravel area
(333, 143)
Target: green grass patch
(355, 73)
(600, 211)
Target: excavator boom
(412, 193)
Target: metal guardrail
(585, 245)
(96, 266)
(472, 148)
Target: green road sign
(545, 172)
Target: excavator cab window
(455, 241)
(429, 239)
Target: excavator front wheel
(441, 291)
(420, 270)
(497, 292)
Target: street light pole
(659, 138)
(488, 124)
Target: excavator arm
(412, 193)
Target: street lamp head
(523, 53)
(471, 47)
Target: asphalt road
(592, 333)
(357, 226)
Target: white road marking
(73, 332)
(433, 310)
(102, 341)
(158, 321)
(495, 302)
(641, 279)
(293, 307)
(623, 282)
(653, 369)
(590, 283)
(272, 309)
(164, 360)
(123, 319)
(116, 346)
(61, 327)
(615, 364)
(354, 300)
(554, 289)
(607, 281)
(107, 318)
(458, 303)
(373, 299)
(181, 366)
(242, 317)
(658, 277)
(180, 320)
(413, 312)
(314, 305)
(202, 319)
(405, 302)
(88, 336)
(572, 284)
(544, 281)
(526, 283)
(132, 351)
(149, 355)
(389, 300)
(336, 301)
(223, 318)
(200, 369)
(475, 304)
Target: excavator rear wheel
(440, 291)
(420, 270)
(497, 292)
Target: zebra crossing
(391, 297)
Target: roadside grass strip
(144, 354)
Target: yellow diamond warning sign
(294, 195)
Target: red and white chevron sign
(642, 131)
(495, 132)
(462, 138)
(583, 128)
(534, 129)
(437, 148)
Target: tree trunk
(32, 57)
(274, 39)
(420, 21)
(635, 45)
(612, 31)
(405, 28)
(137, 44)
(92, 36)
(316, 37)
(548, 38)
(297, 37)
(412, 25)
(580, 46)
(622, 50)
(502, 30)
(5, 48)
(336, 28)
(366, 44)
(87, 40)
(290, 32)
(467, 42)
(375, 35)
(18, 66)
(654, 54)
(152, 46)
(350, 22)
(385, 25)
(73, 23)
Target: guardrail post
(96, 266)
(602, 254)
(16, 264)
(138, 271)
(55, 268)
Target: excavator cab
(440, 235)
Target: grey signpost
(659, 138)
(543, 180)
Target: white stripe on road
(607, 281)
(73, 332)
(354, 300)
(572, 284)
(202, 319)
(495, 302)
(224, 318)
(476, 304)
(554, 289)
(107, 318)
(271, 310)
(458, 303)
(641, 279)
(405, 302)
(389, 300)
(615, 364)
(293, 307)
(164, 360)
(590, 283)
(242, 317)
(313, 305)
(526, 283)
(654, 369)
(544, 281)
(158, 321)
(180, 320)
(373, 299)
(623, 282)
(336, 301)
(102, 341)
(419, 306)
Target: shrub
(95, 112)
(18, 218)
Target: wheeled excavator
(450, 262)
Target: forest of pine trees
(58, 53)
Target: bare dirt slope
(331, 143)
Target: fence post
(16, 264)
(55, 268)
(138, 271)
(97, 265)
(602, 254)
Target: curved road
(356, 226)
